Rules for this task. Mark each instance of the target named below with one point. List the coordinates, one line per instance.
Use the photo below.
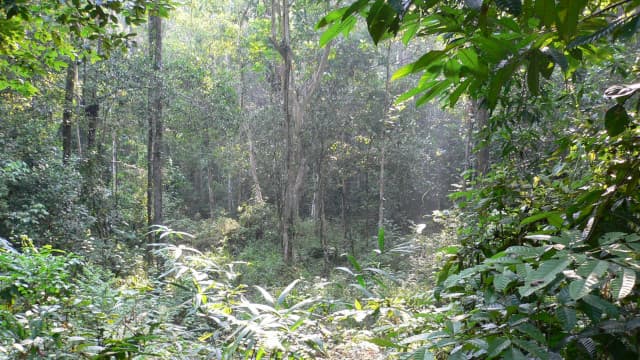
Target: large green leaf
(336, 28)
(532, 348)
(592, 271)
(502, 280)
(381, 239)
(616, 120)
(568, 13)
(423, 62)
(283, 295)
(601, 304)
(567, 317)
(382, 19)
(623, 284)
(543, 275)
(497, 346)
(546, 11)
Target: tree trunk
(229, 194)
(154, 150)
(469, 140)
(210, 191)
(387, 103)
(321, 214)
(294, 104)
(253, 169)
(67, 113)
(114, 168)
(482, 119)
(381, 188)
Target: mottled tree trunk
(253, 169)
(481, 115)
(154, 148)
(114, 168)
(67, 113)
(387, 103)
(210, 191)
(294, 104)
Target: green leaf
(336, 28)
(568, 12)
(532, 348)
(539, 216)
(525, 252)
(567, 317)
(501, 281)
(383, 342)
(498, 81)
(601, 304)
(513, 353)
(355, 263)
(545, 10)
(381, 239)
(543, 275)
(410, 31)
(497, 346)
(557, 57)
(438, 89)
(381, 20)
(421, 354)
(332, 17)
(266, 295)
(286, 291)
(532, 331)
(423, 62)
(616, 120)
(592, 271)
(623, 284)
(611, 237)
(533, 73)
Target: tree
(35, 37)
(154, 145)
(296, 98)
(67, 114)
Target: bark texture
(154, 148)
(295, 100)
(67, 113)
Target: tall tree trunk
(387, 103)
(295, 101)
(154, 152)
(468, 148)
(67, 113)
(114, 168)
(381, 188)
(253, 169)
(229, 194)
(92, 156)
(322, 228)
(210, 191)
(481, 115)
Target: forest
(319, 179)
